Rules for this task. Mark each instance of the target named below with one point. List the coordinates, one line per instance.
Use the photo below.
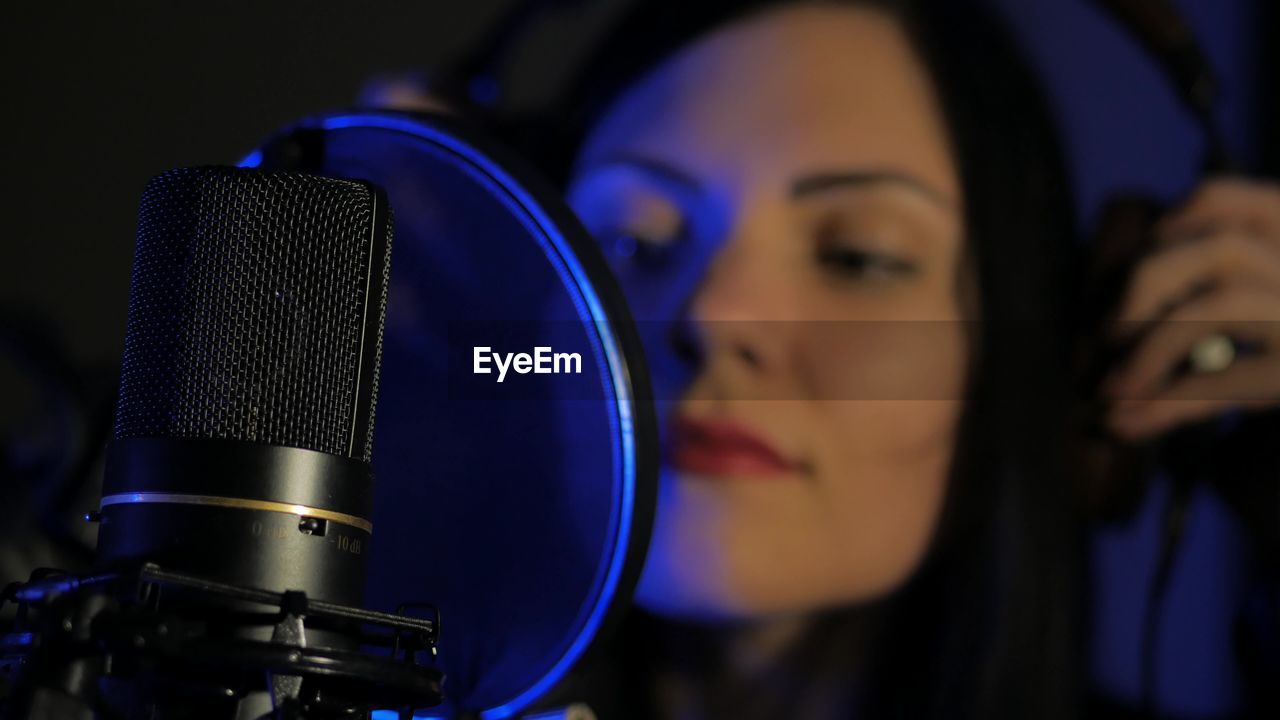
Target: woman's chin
(677, 598)
(689, 576)
(724, 551)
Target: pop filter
(518, 501)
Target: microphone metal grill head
(256, 310)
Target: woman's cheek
(882, 360)
(885, 475)
(888, 400)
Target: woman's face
(784, 188)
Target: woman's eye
(643, 251)
(855, 263)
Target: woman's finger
(1171, 276)
(1251, 384)
(1240, 205)
(1245, 312)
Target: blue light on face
(591, 312)
(624, 246)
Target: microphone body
(244, 428)
(234, 522)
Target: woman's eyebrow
(820, 182)
(658, 168)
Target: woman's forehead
(783, 92)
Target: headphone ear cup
(1113, 476)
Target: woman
(844, 229)
(844, 232)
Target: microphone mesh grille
(249, 310)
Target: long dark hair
(990, 624)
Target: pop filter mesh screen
(253, 297)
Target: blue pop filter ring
(600, 306)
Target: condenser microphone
(243, 433)
(235, 512)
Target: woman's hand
(1203, 313)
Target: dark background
(98, 97)
(101, 96)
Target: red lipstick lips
(720, 447)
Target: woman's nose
(733, 316)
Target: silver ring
(1212, 353)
